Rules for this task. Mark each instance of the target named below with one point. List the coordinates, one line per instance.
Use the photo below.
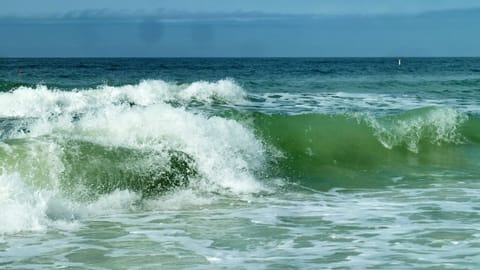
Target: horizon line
(231, 57)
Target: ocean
(240, 163)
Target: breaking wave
(59, 148)
(67, 154)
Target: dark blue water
(258, 74)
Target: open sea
(231, 163)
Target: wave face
(337, 150)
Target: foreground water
(240, 163)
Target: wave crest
(430, 125)
(41, 101)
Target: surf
(65, 150)
(61, 150)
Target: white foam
(44, 102)
(117, 201)
(225, 153)
(30, 209)
(22, 209)
(437, 125)
(337, 102)
(223, 90)
(179, 199)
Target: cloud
(318, 7)
(179, 33)
(98, 15)
(147, 18)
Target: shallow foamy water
(393, 228)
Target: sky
(247, 28)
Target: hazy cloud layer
(166, 33)
(329, 7)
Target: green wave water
(362, 151)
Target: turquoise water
(305, 163)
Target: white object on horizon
(399, 61)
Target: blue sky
(206, 28)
